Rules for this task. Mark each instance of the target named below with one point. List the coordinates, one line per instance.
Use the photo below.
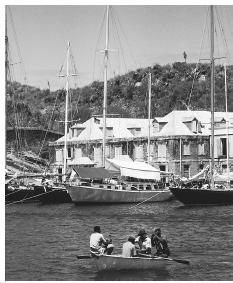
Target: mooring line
(145, 200)
(17, 190)
(22, 200)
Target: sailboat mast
(6, 49)
(105, 83)
(227, 127)
(149, 115)
(66, 111)
(212, 91)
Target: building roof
(176, 120)
(174, 124)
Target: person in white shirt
(98, 244)
(144, 242)
(128, 249)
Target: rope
(17, 45)
(48, 126)
(119, 41)
(145, 200)
(223, 34)
(18, 190)
(97, 42)
(201, 47)
(22, 200)
(131, 54)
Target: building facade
(179, 141)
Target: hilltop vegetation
(127, 96)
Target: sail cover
(136, 169)
(92, 173)
(223, 177)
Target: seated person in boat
(98, 244)
(129, 249)
(159, 243)
(144, 242)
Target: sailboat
(97, 185)
(56, 192)
(17, 187)
(216, 190)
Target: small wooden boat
(105, 262)
(117, 262)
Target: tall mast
(227, 128)
(6, 49)
(105, 83)
(149, 115)
(66, 110)
(212, 91)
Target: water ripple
(42, 241)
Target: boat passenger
(144, 242)
(98, 244)
(129, 249)
(159, 243)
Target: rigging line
(17, 45)
(76, 104)
(127, 42)
(16, 116)
(12, 193)
(97, 42)
(198, 61)
(227, 52)
(120, 45)
(115, 44)
(217, 43)
(22, 200)
(228, 21)
(48, 126)
(75, 71)
(73, 65)
(62, 65)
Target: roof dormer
(192, 123)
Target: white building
(180, 141)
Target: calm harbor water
(42, 240)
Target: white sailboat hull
(89, 194)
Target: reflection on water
(42, 241)
(135, 275)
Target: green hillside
(127, 96)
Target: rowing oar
(166, 258)
(83, 256)
(94, 255)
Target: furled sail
(136, 169)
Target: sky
(140, 36)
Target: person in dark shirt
(159, 243)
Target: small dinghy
(117, 262)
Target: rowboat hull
(88, 194)
(117, 262)
(203, 196)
